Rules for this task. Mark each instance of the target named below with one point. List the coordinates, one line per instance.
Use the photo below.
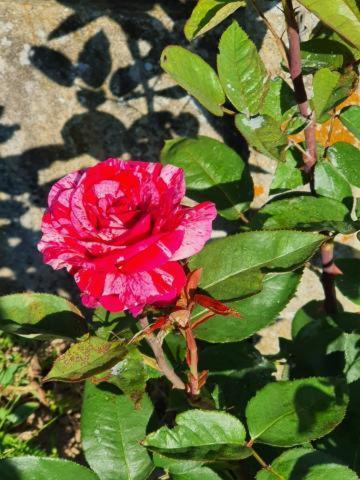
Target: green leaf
(241, 71)
(329, 183)
(236, 371)
(307, 464)
(196, 76)
(111, 431)
(346, 159)
(288, 413)
(324, 53)
(40, 316)
(350, 117)
(37, 468)
(213, 172)
(278, 100)
(257, 311)
(228, 260)
(330, 89)
(201, 435)
(352, 358)
(130, 375)
(86, 359)
(343, 16)
(263, 133)
(307, 213)
(288, 174)
(209, 13)
(184, 469)
(348, 283)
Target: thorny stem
(160, 357)
(264, 465)
(327, 250)
(294, 57)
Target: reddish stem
(329, 273)
(192, 359)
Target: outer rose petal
(197, 227)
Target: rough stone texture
(80, 81)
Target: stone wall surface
(81, 81)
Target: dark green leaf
(350, 117)
(201, 435)
(307, 213)
(341, 15)
(111, 431)
(307, 464)
(288, 174)
(279, 100)
(257, 311)
(40, 316)
(348, 283)
(352, 357)
(184, 469)
(263, 133)
(242, 72)
(241, 257)
(213, 172)
(209, 13)
(288, 413)
(192, 73)
(330, 89)
(329, 183)
(37, 468)
(323, 53)
(86, 359)
(346, 158)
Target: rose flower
(120, 229)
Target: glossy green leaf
(242, 73)
(279, 99)
(343, 16)
(213, 172)
(111, 431)
(288, 174)
(307, 213)
(329, 183)
(350, 117)
(288, 413)
(184, 469)
(257, 311)
(201, 435)
(307, 464)
(38, 468)
(348, 283)
(324, 53)
(86, 359)
(352, 357)
(228, 260)
(196, 76)
(330, 89)
(263, 133)
(236, 371)
(346, 159)
(209, 13)
(40, 316)
(130, 375)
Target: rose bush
(120, 229)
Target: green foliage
(213, 172)
(330, 183)
(241, 70)
(324, 53)
(201, 435)
(343, 16)
(30, 468)
(111, 429)
(350, 117)
(288, 174)
(195, 76)
(346, 159)
(289, 413)
(40, 316)
(346, 282)
(209, 13)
